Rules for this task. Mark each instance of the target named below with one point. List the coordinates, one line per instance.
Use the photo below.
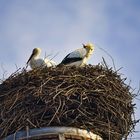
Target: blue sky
(61, 26)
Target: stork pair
(78, 58)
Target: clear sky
(61, 26)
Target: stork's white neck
(36, 56)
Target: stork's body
(36, 62)
(78, 57)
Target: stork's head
(35, 53)
(89, 47)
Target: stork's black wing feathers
(68, 59)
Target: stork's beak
(84, 46)
(30, 58)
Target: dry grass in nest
(92, 97)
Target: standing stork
(35, 62)
(78, 57)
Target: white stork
(36, 62)
(78, 57)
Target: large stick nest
(92, 97)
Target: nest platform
(94, 98)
